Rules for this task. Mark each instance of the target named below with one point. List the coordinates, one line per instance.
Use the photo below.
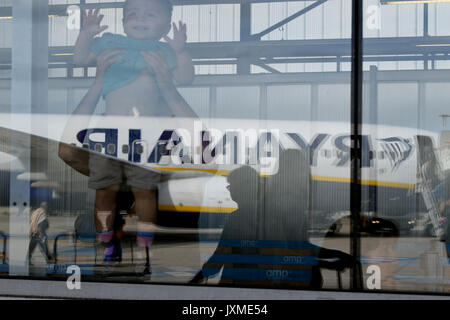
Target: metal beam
(266, 67)
(29, 92)
(61, 9)
(261, 34)
(323, 48)
(356, 145)
(270, 78)
(394, 58)
(373, 91)
(243, 63)
(372, 193)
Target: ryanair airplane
(194, 157)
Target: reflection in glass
(405, 184)
(133, 151)
(265, 241)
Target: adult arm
(79, 118)
(89, 28)
(175, 102)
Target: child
(135, 78)
(130, 84)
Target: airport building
(156, 149)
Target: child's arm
(175, 102)
(90, 27)
(184, 72)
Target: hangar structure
(257, 44)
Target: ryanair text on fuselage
(237, 146)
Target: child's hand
(159, 64)
(91, 22)
(105, 60)
(179, 37)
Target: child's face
(145, 19)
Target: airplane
(194, 156)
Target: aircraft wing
(16, 143)
(44, 151)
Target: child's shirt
(128, 68)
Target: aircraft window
(139, 149)
(98, 147)
(111, 148)
(125, 148)
(163, 149)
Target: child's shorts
(106, 172)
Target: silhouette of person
(38, 228)
(265, 242)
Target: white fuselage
(205, 151)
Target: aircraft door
(139, 151)
(429, 175)
(444, 150)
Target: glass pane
(404, 180)
(219, 154)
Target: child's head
(147, 19)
